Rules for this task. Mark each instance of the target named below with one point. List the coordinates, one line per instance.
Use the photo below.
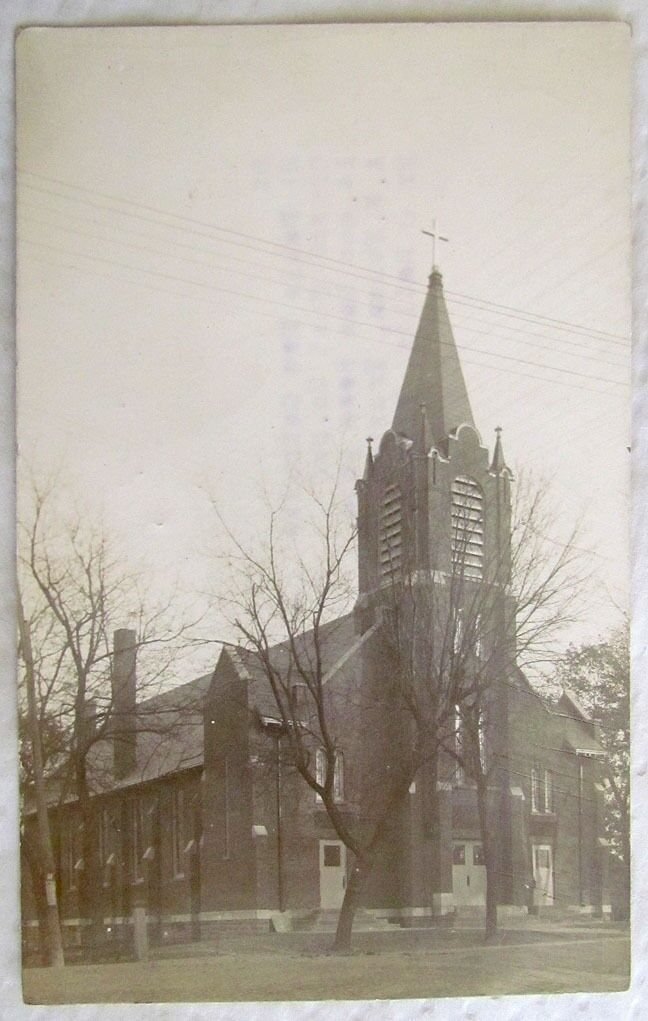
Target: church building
(208, 826)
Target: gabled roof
(433, 377)
(578, 731)
(169, 738)
(581, 733)
(338, 638)
(571, 703)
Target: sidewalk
(550, 965)
(513, 932)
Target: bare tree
(284, 609)
(46, 898)
(505, 617)
(454, 643)
(76, 593)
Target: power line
(398, 281)
(525, 339)
(300, 322)
(328, 315)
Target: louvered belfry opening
(467, 528)
(391, 534)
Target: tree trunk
(91, 914)
(342, 941)
(29, 856)
(489, 848)
(55, 942)
(491, 898)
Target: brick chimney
(124, 700)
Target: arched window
(390, 533)
(467, 528)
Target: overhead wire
(328, 315)
(397, 281)
(527, 336)
(166, 292)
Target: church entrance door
(468, 873)
(332, 860)
(543, 873)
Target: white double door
(468, 873)
(543, 873)
(333, 867)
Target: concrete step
(326, 921)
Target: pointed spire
(369, 461)
(433, 376)
(498, 463)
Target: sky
(221, 264)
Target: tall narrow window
(106, 844)
(391, 533)
(467, 528)
(338, 774)
(478, 636)
(548, 791)
(481, 732)
(338, 778)
(177, 832)
(537, 799)
(541, 790)
(103, 842)
(320, 768)
(72, 856)
(459, 747)
(227, 805)
(457, 639)
(137, 840)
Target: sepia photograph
(323, 425)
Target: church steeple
(433, 377)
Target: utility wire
(313, 326)
(525, 339)
(328, 315)
(398, 281)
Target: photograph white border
(15, 14)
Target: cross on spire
(435, 237)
